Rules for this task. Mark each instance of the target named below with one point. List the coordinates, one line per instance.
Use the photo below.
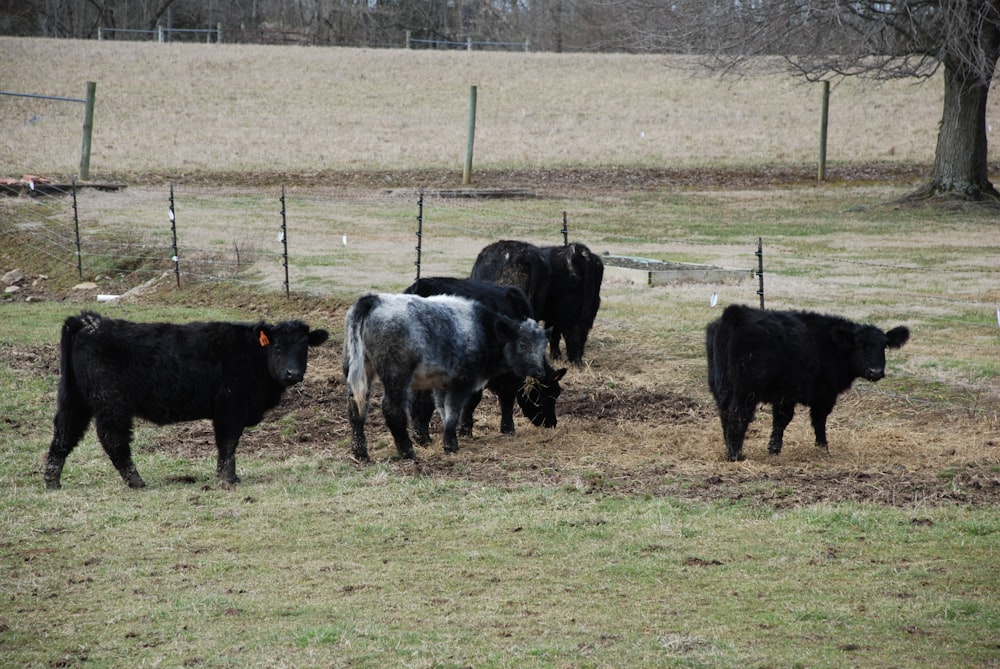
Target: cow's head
(537, 397)
(868, 349)
(287, 348)
(524, 346)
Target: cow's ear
(897, 336)
(317, 337)
(559, 374)
(506, 328)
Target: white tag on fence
(714, 300)
(281, 235)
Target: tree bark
(960, 158)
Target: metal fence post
(76, 231)
(173, 230)
(284, 241)
(760, 271)
(420, 230)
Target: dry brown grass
(183, 109)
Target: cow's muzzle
(875, 373)
(292, 376)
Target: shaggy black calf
(785, 358)
(515, 263)
(536, 397)
(446, 344)
(574, 297)
(563, 284)
(113, 371)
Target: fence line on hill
(47, 213)
(445, 228)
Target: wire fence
(317, 243)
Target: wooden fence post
(467, 172)
(88, 130)
(823, 119)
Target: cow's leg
(451, 405)
(818, 413)
(783, 412)
(574, 345)
(395, 402)
(554, 349)
(736, 421)
(468, 420)
(227, 436)
(421, 411)
(506, 395)
(505, 386)
(724, 419)
(69, 426)
(115, 435)
(357, 415)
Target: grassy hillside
(184, 109)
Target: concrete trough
(649, 272)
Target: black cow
(785, 358)
(574, 297)
(113, 371)
(563, 284)
(536, 397)
(447, 344)
(516, 263)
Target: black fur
(563, 284)
(784, 358)
(113, 371)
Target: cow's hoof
(360, 458)
(738, 457)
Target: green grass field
(619, 538)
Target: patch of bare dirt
(612, 439)
(553, 181)
(627, 441)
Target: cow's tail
(67, 375)
(716, 345)
(72, 413)
(355, 354)
(593, 277)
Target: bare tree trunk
(960, 159)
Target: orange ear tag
(264, 341)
